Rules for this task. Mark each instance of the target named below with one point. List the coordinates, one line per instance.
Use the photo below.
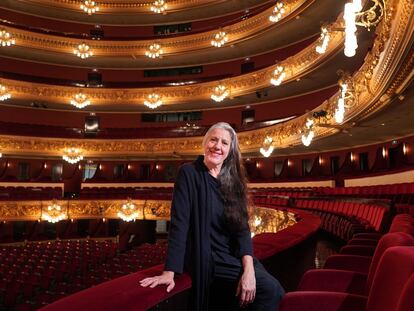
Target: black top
(190, 235)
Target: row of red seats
(370, 214)
(30, 193)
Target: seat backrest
(387, 241)
(406, 299)
(394, 270)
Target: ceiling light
(153, 101)
(80, 101)
(53, 213)
(154, 51)
(6, 39)
(89, 7)
(278, 75)
(83, 51)
(4, 94)
(220, 93)
(72, 155)
(267, 148)
(277, 13)
(159, 6)
(128, 211)
(220, 39)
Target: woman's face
(217, 147)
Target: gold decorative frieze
(179, 44)
(80, 209)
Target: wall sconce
(289, 163)
(100, 166)
(157, 167)
(384, 152)
(258, 164)
(80, 166)
(405, 149)
(320, 160)
(129, 166)
(45, 165)
(351, 157)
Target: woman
(209, 235)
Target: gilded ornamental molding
(239, 31)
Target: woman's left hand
(246, 289)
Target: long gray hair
(233, 182)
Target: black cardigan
(189, 246)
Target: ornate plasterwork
(179, 44)
(295, 66)
(80, 209)
(137, 6)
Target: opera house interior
(101, 103)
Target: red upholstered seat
(394, 270)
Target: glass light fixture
(83, 51)
(72, 155)
(278, 75)
(267, 148)
(128, 211)
(323, 40)
(6, 38)
(220, 93)
(4, 94)
(308, 133)
(277, 13)
(159, 6)
(53, 213)
(153, 101)
(89, 7)
(220, 39)
(154, 51)
(80, 101)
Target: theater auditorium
(102, 102)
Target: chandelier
(89, 7)
(353, 17)
(80, 101)
(83, 51)
(154, 51)
(220, 39)
(153, 101)
(4, 94)
(220, 93)
(308, 132)
(6, 38)
(128, 211)
(346, 96)
(323, 40)
(72, 155)
(159, 6)
(278, 75)
(277, 13)
(267, 148)
(53, 213)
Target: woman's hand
(246, 289)
(166, 278)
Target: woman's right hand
(166, 278)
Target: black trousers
(223, 289)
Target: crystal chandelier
(53, 213)
(4, 94)
(308, 133)
(128, 211)
(277, 13)
(153, 101)
(89, 7)
(72, 155)
(83, 51)
(6, 38)
(267, 148)
(346, 97)
(220, 93)
(80, 101)
(159, 6)
(220, 39)
(323, 40)
(278, 75)
(154, 51)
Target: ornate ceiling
(381, 71)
